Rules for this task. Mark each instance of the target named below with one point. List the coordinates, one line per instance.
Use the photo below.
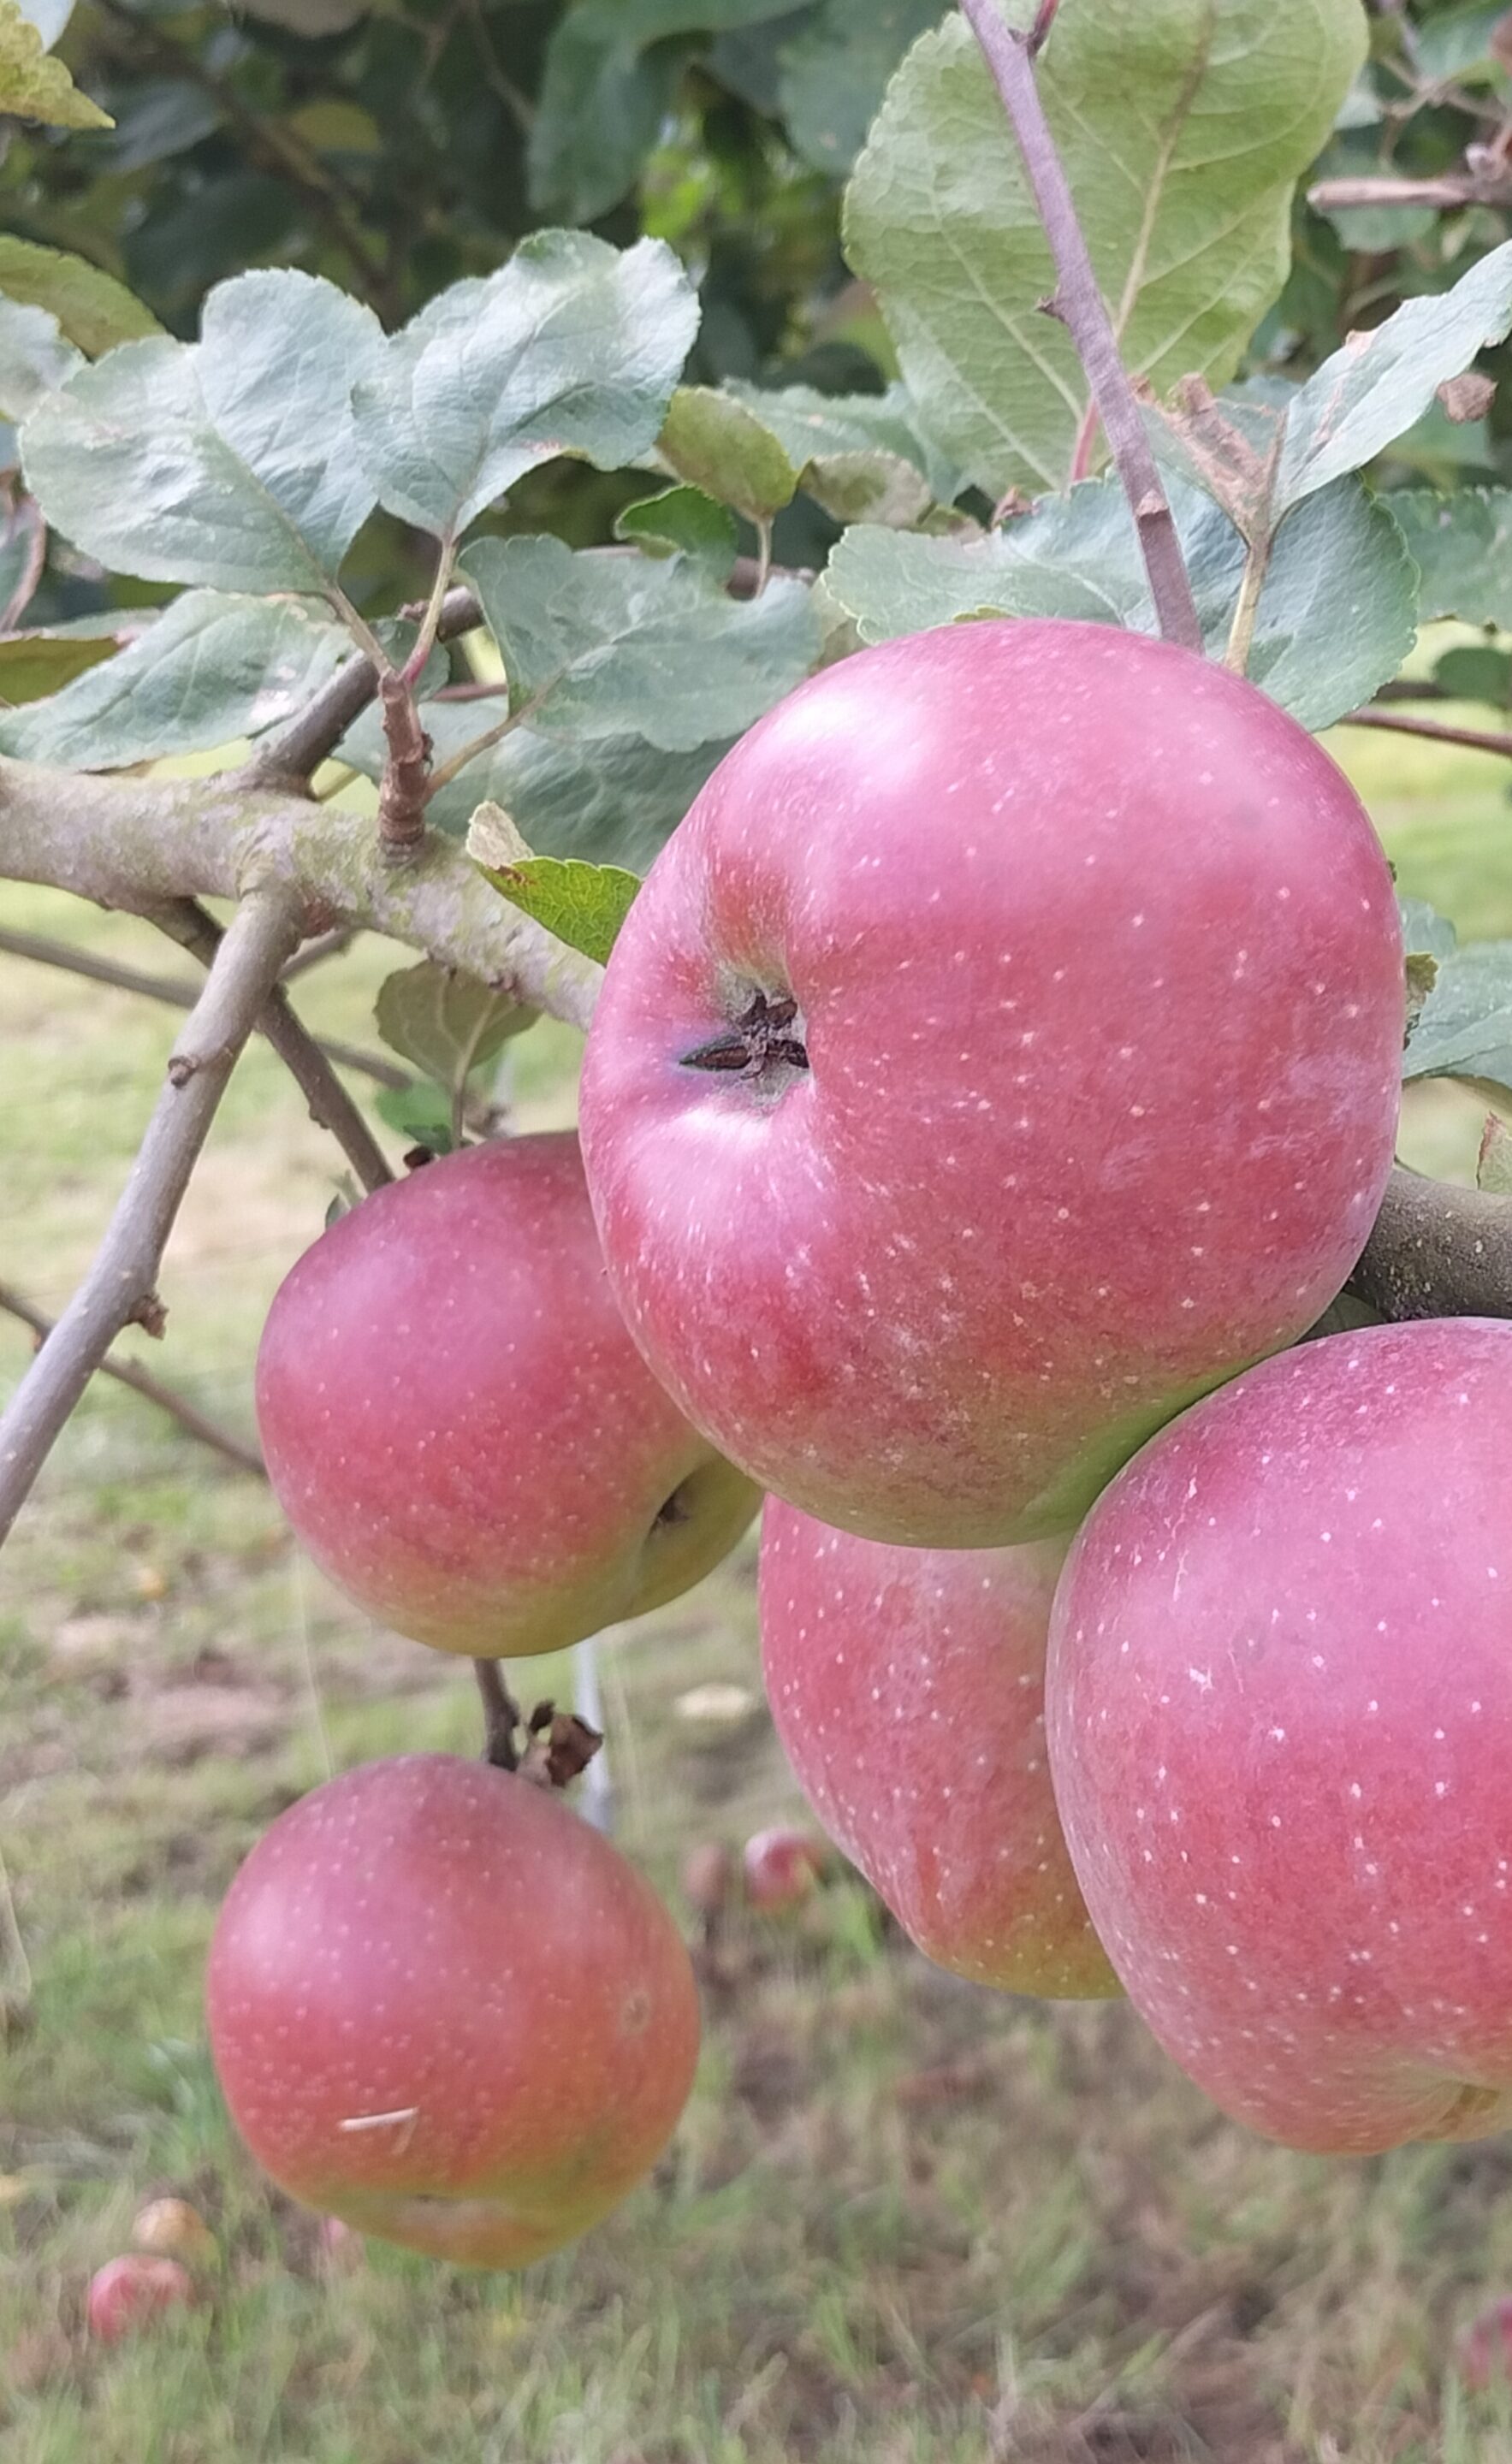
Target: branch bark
(1437, 1252)
(141, 1381)
(1079, 303)
(1478, 740)
(141, 843)
(263, 934)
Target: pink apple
(1279, 1709)
(1004, 1049)
(780, 1867)
(908, 1685)
(460, 1429)
(128, 2293)
(446, 2011)
(1485, 2348)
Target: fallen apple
(128, 2293)
(780, 1867)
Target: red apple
(1280, 1711)
(128, 2293)
(1004, 1049)
(908, 1685)
(445, 2010)
(460, 1429)
(1484, 2353)
(781, 1867)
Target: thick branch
(73, 961)
(143, 842)
(1437, 1252)
(264, 932)
(1478, 740)
(141, 1381)
(1078, 300)
(331, 1107)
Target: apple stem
(1079, 305)
(500, 1716)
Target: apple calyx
(758, 1040)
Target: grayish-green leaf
(729, 450)
(836, 70)
(1463, 547)
(684, 521)
(869, 486)
(1184, 127)
(1425, 931)
(1456, 43)
(229, 462)
(35, 357)
(1475, 672)
(572, 347)
(605, 645)
(1380, 382)
(1464, 1028)
(443, 1024)
(212, 668)
(813, 428)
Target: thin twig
(1398, 723)
(1080, 302)
(183, 996)
(446, 771)
(331, 1107)
(261, 936)
(141, 1381)
(500, 1716)
(316, 950)
(304, 743)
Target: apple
(1279, 1715)
(780, 1867)
(907, 1686)
(444, 2010)
(128, 2293)
(1484, 2353)
(460, 1429)
(172, 2228)
(1004, 1050)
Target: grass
(903, 2222)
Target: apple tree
(904, 768)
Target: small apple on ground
(907, 1686)
(447, 2011)
(1484, 2353)
(172, 2228)
(781, 1867)
(1280, 1713)
(460, 1429)
(128, 2293)
(1005, 1050)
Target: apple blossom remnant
(907, 1687)
(1086, 978)
(1280, 1708)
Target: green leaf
(421, 1113)
(834, 73)
(1464, 1028)
(92, 308)
(583, 904)
(230, 461)
(722, 447)
(1337, 612)
(572, 347)
(23, 552)
(1425, 932)
(42, 661)
(35, 86)
(35, 358)
(1184, 128)
(614, 645)
(813, 428)
(870, 485)
(212, 668)
(1456, 43)
(1381, 383)
(1463, 547)
(446, 1024)
(1476, 672)
(684, 521)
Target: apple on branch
(1279, 1714)
(1004, 1050)
(459, 1427)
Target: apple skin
(907, 1686)
(1279, 1715)
(444, 2010)
(127, 2294)
(780, 1867)
(459, 1427)
(1098, 977)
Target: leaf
(683, 520)
(724, 448)
(583, 904)
(1475, 671)
(1182, 126)
(1336, 616)
(1494, 1163)
(835, 70)
(92, 308)
(572, 347)
(1381, 383)
(870, 485)
(23, 553)
(445, 1025)
(421, 1113)
(1425, 932)
(1463, 547)
(212, 668)
(35, 86)
(48, 16)
(1464, 1028)
(230, 461)
(614, 645)
(1456, 43)
(42, 661)
(814, 427)
(34, 358)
